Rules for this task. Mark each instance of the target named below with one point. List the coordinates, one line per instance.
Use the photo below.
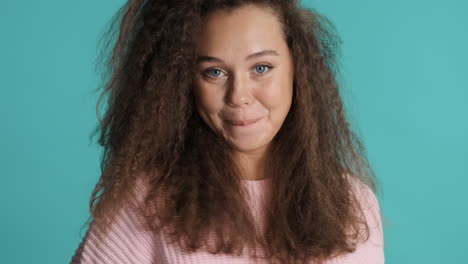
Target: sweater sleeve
(125, 243)
(371, 251)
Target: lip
(243, 123)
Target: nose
(239, 92)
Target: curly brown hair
(152, 131)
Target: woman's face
(244, 78)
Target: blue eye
(262, 68)
(216, 72)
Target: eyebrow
(249, 57)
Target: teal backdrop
(404, 71)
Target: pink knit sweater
(126, 244)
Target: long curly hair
(151, 130)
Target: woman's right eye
(214, 73)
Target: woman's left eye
(262, 68)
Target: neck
(253, 164)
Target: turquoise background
(404, 67)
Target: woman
(226, 141)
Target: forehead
(243, 28)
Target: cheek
(208, 99)
(276, 94)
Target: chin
(249, 145)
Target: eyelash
(265, 65)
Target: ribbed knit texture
(126, 244)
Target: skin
(244, 81)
